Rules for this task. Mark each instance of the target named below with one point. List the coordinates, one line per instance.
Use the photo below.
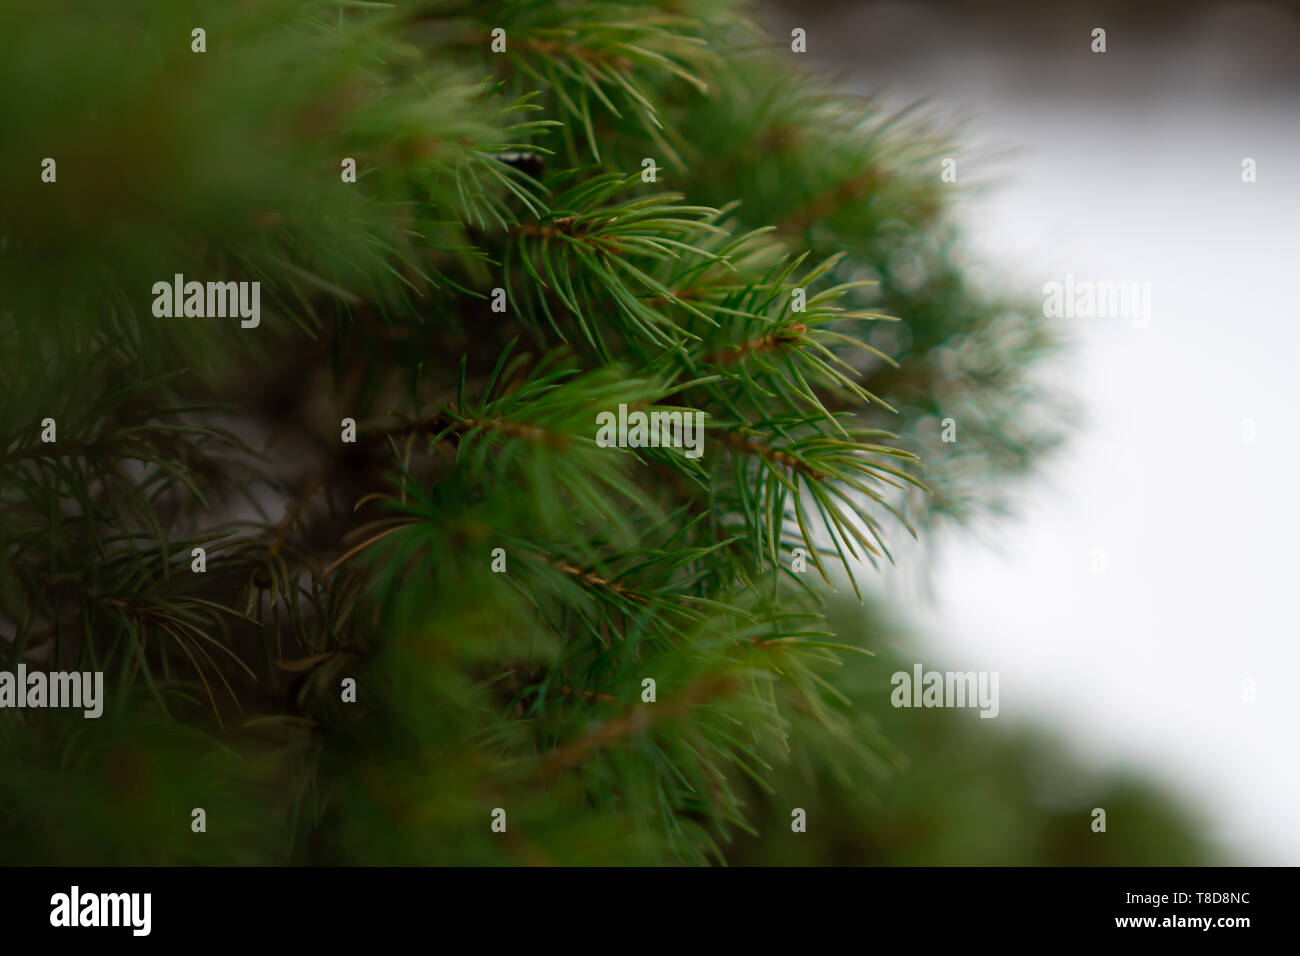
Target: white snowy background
(1127, 167)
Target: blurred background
(1138, 600)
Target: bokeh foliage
(371, 560)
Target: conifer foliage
(364, 582)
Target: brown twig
(572, 227)
(292, 513)
(637, 720)
(775, 455)
(851, 189)
(588, 695)
(596, 580)
(778, 338)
